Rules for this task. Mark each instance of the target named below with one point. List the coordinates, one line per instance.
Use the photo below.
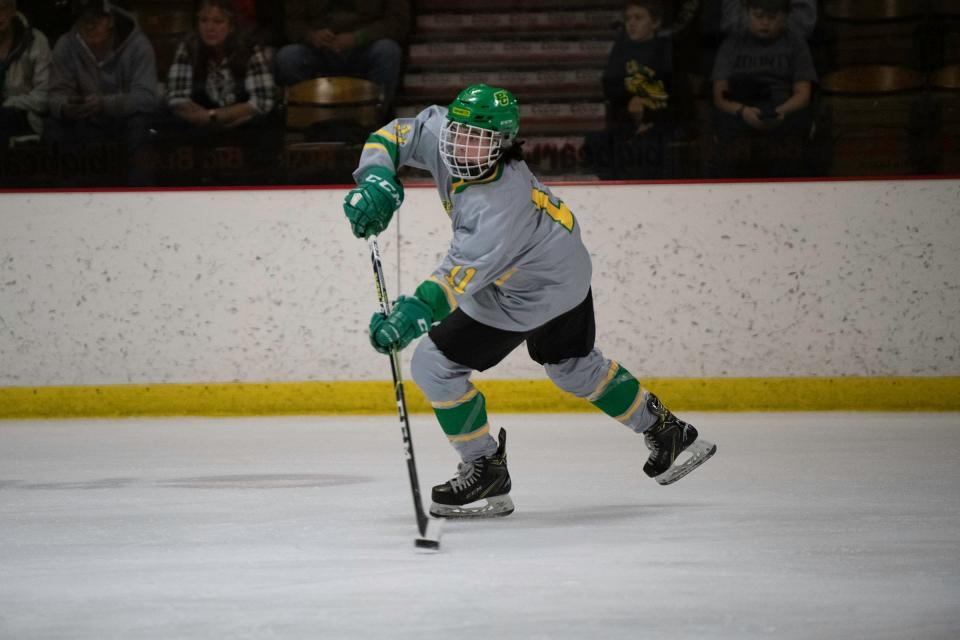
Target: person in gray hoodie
(104, 81)
(24, 75)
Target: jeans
(378, 62)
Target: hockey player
(516, 271)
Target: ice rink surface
(803, 526)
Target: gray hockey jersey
(516, 259)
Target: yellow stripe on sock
(473, 435)
(469, 395)
(611, 372)
(637, 402)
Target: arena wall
(820, 280)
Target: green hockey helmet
(487, 107)
(482, 121)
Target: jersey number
(559, 211)
(458, 280)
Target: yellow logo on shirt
(642, 81)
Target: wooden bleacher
(873, 116)
(445, 6)
(855, 32)
(549, 53)
(585, 24)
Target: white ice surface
(803, 526)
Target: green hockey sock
(623, 399)
(465, 423)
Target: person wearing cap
(762, 85)
(104, 80)
(802, 20)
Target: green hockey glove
(371, 204)
(409, 319)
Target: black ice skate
(480, 490)
(667, 439)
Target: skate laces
(652, 443)
(467, 473)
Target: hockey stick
(429, 527)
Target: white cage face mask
(467, 151)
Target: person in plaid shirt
(218, 80)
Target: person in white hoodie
(104, 81)
(24, 75)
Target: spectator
(218, 79)
(220, 89)
(637, 85)
(360, 39)
(802, 20)
(104, 83)
(762, 83)
(24, 75)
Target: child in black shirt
(762, 83)
(637, 86)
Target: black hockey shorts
(478, 346)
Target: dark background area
(887, 102)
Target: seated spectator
(24, 75)
(762, 83)
(637, 86)
(341, 38)
(103, 84)
(802, 21)
(218, 79)
(220, 89)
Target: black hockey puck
(423, 543)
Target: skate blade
(700, 451)
(495, 507)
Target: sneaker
(481, 488)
